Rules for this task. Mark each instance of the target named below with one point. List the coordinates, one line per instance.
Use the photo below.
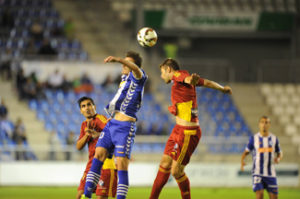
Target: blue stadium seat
(49, 126)
(224, 115)
(33, 105)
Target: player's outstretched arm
(135, 69)
(215, 85)
(243, 160)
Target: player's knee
(273, 196)
(259, 194)
(122, 163)
(166, 165)
(100, 154)
(79, 193)
(166, 162)
(176, 172)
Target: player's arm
(137, 73)
(278, 152)
(83, 138)
(245, 153)
(278, 157)
(196, 80)
(214, 85)
(82, 141)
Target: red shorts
(182, 143)
(107, 185)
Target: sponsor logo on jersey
(101, 135)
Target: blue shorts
(268, 183)
(118, 138)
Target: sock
(123, 184)
(160, 181)
(184, 186)
(92, 178)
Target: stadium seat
(291, 129)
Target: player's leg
(123, 183)
(123, 134)
(259, 194)
(181, 179)
(187, 140)
(164, 170)
(103, 145)
(258, 186)
(273, 195)
(102, 197)
(162, 176)
(80, 189)
(272, 187)
(79, 194)
(113, 183)
(93, 175)
(107, 186)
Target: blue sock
(92, 177)
(123, 184)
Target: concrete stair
(249, 101)
(251, 104)
(97, 27)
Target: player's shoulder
(133, 78)
(181, 72)
(102, 118)
(144, 75)
(83, 123)
(273, 135)
(256, 135)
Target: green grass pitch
(141, 193)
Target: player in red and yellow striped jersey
(89, 134)
(186, 133)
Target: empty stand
(284, 101)
(27, 12)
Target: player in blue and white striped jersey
(118, 135)
(266, 151)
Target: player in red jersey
(89, 133)
(186, 133)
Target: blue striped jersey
(263, 154)
(129, 96)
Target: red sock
(184, 186)
(160, 181)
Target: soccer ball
(147, 37)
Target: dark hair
(136, 57)
(171, 63)
(264, 117)
(83, 99)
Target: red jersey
(184, 97)
(98, 123)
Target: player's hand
(111, 59)
(227, 90)
(93, 133)
(192, 79)
(277, 160)
(87, 129)
(195, 79)
(242, 165)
